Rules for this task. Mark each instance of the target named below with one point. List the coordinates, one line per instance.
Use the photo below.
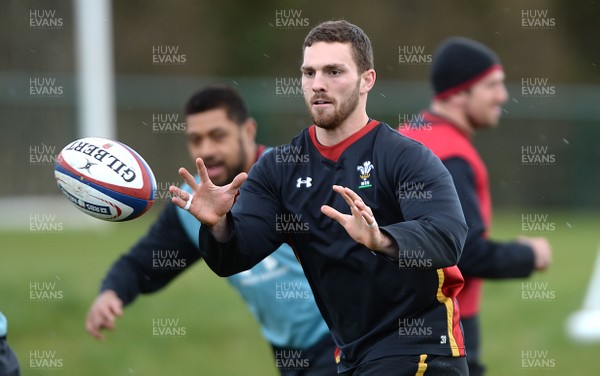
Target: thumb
(116, 307)
(237, 182)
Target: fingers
(342, 191)
(92, 329)
(202, 172)
(97, 321)
(357, 206)
(116, 307)
(353, 196)
(361, 225)
(180, 197)
(362, 206)
(542, 251)
(366, 214)
(333, 214)
(237, 182)
(102, 314)
(188, 178)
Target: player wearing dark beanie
(458, 63)
(468, 81)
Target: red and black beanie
(458, 63)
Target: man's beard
(331, 121)
(239, 168)
(477, 123)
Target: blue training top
(3, 325)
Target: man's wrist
(221, 231)
(388, 246)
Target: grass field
(49, 279)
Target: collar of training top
(335, 151)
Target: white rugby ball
(105, 179)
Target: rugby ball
(105, 179)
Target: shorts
(413, 365)
(9, 365)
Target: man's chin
(325, 122)
(326, 126)
(487, 125)
(219, 180)
(493, 123)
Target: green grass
(221, 336)
(512, 325)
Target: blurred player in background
(9, 364)
(347, 162)
(468, 81)
(220, 130)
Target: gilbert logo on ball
(105, 179)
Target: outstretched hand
(542, 251)
(208, 202)
(103, 313)
(361, 224)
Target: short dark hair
(344, 32)
(219, 96)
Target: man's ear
(249, 129)
(368, 78)
(459, 99)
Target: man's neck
(456, 116)
(251, 156)
(354, 123)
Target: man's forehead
(328, 53)
(496, 74)
(209, 121)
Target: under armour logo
(306, 182)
